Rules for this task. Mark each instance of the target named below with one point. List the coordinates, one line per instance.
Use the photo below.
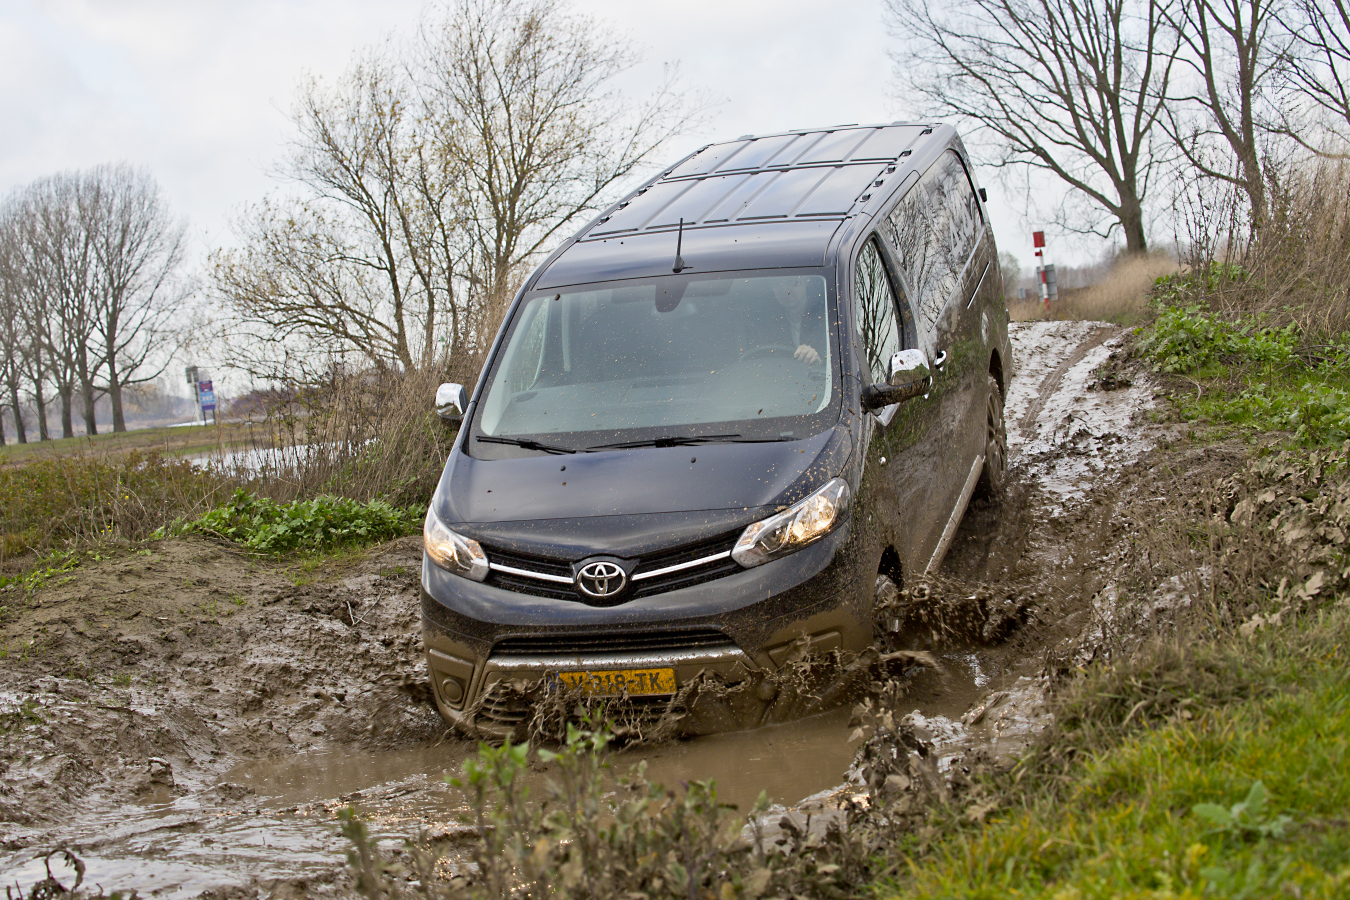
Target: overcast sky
(198, 90)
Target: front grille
(523, 585)
(531, 562)
(576, 643)
(682, 578)
(503, 708)
(510, 710)
(715, 553)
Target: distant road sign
(206, 396)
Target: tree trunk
(2, 431)
(1132, 223)
(87, 395)
(19, 431)
(1253, 180)
(86, 389)
(67, 423)
(115, 396)
(43, 433)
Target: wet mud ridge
(189, 719)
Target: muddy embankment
(188, 719)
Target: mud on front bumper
(739, 626)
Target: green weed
(26, 713)
(1251, 376)
(319, 524)
(1246, 817)
(47, 569)
(1186, 340)
(590, 836)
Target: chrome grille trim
(681, 566)
(526, 573)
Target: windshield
(728, 356)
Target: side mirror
(908, 376)
(451, 401)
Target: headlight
(453, 552)
(805, 522)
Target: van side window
(934, 229)
(874, 310)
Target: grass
(1153, 816)
(59, 502)
(360, 438)
(186, 440)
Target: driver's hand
(807, 354)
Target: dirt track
(189, 718)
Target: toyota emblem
(601, 579)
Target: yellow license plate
(613, 682)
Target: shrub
(325, 522)
(1186, 339)
(1296, 268)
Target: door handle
(940, 360)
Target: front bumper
(737, 627)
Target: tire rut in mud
(1051, 382)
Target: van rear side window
(934, 229)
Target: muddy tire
(994, 475)
(886, 611)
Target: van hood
(633, 497)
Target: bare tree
(37, 362)
(1316, 70)
(138, 249)
(541, 132)
(58, 264)
(352, 263)
(1233, 54)
(425, 182)
(89, 263)
(1073, 88)
(24, 326)
(12, 335)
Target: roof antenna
(679, 244)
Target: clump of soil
(148, 674)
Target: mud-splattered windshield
(744, 354)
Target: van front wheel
(994, 476)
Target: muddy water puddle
(275, 819)
(787, 762)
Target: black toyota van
(713, 417)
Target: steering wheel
(765, 350)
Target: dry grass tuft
(1121, 297)
(1297, 269)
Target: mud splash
(272, 698)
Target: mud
(189, 719)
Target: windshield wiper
(678, 440)
(524, 442)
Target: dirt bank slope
(197, 655)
